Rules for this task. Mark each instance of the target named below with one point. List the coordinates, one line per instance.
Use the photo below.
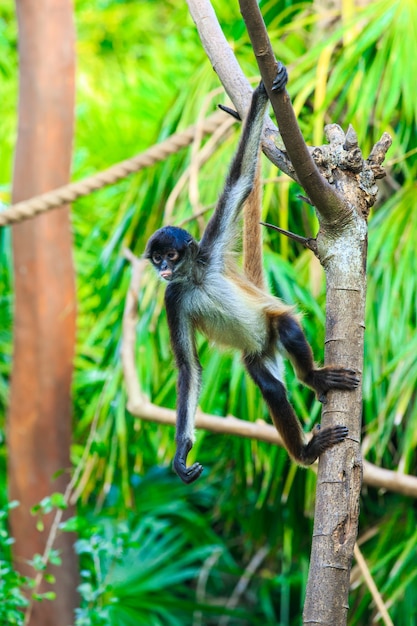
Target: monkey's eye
(173, 255)
(156, 258)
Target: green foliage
(15, 589)
(12, 599)
(8, 66)
(5, 323)
(144, 569)
(12, 584)
(145, 542)
(141, 573)
(390, 378)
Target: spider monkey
(207, 291)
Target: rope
(68, 193)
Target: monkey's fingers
(280, 79)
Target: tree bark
(39, 420)
(342, 250)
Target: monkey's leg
(285, 419)
(320, 379)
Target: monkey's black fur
(208, 292)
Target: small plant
(136, 574)
(12, 599)
(17, 591)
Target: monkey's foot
(280, 79)
(326, 378)
(187, 474)
(322, 440)
(341, 378)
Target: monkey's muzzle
(166, 274)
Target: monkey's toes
(280, 79)
(339, 433)
(341, 378)
(328, 437)
(322, 440)
(352, 379)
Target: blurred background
(234, 547)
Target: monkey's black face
(167, 250)
(165, 263)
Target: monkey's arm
(188, 385)
(221, 230)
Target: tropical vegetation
(234, 547)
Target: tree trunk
(39, 421)
(341, 186)
(343, 254)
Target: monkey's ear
(193, 246)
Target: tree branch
(370, 583)
(232, 78)
(307, 242)
(326, 199)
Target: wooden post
(39, 421)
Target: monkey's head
(171, 250)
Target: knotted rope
(68, 193)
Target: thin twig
(243, 583)
(202, 582)
(321, 193)
(370, 583)
(307, 242)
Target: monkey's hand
(187, 474)
(280, 79)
